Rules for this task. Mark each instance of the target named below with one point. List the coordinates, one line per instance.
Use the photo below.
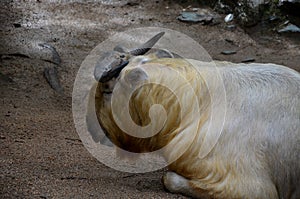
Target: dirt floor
(41, 153)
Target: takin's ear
(162, 53)
(136, 76)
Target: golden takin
(255, 154)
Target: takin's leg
(196, 189)
(178, 184)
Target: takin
(255, 154)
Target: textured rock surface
(247, 12)
(250, 12)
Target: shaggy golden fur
(257, 154)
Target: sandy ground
(41, 153)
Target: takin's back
(262, 124)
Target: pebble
(228, 52)
(228, 18)
(231, 27)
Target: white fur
(257, 153)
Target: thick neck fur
(171, 93)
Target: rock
(231, 27)
(204, 16)
(228, 52)
(194, 17)
(52, 78)
(228, 18)
(247, 12)
(55, 56)
(289, 28)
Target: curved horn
(110, 66)
(146, 46)
(113, 62)
(114, 72)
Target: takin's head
(128, 91)
(106, 73)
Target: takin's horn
(146, 46)
(114, 72)
(113, 62)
